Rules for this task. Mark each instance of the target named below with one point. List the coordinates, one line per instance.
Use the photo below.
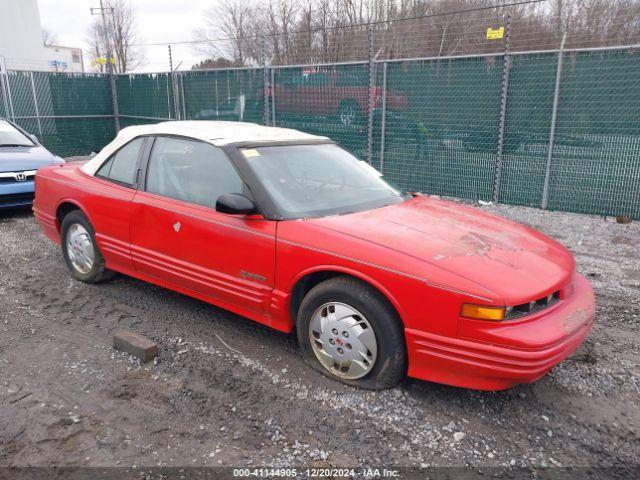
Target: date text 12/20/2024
(316, 472)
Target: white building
(64, 59)
(21, 45)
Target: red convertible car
(292, 231)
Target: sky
(158, 21)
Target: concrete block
(135, 344)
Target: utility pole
(112, 78)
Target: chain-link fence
(71, 114)
(448, 105)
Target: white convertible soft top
(213, 132)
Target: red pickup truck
(332, 93)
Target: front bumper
(522, 352)
(17, 194)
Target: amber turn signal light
(482, 312)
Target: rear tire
(374, 359)
(80, 250)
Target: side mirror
(235, 204)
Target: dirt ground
(226, 391)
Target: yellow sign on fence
(102, 61)
(495, 33)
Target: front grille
(10, 177)
(16, 198)
(534, 306)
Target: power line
(335, 27)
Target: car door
(177, 235)
(108, 202)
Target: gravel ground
(226, 391)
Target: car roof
(221, 133)
(214, 132)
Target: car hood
(14, 159)
(513, 261)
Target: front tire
(80, 250)
(349, 332)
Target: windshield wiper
(14, 145)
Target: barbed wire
(335, 27)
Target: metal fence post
(112, 78)
(503, 110)
(383, 125)
(169, 86)
(35, 104)
(552, 132)
(114, 101)
(273, 97)
(176, 96)
(371, 94)
(184, 102)
(174, 87)
(265, 82)
(10, 111)
(5, 99)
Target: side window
(121, 167)
(191, 171)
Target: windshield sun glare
(319, 180)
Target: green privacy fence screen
(144, 98)
(455, 105)
(570, 131)
(595, 166)
(332, 101)
(71, 114)
(198, 95)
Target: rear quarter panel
(105, 204)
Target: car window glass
(9, 135)
(191, 171)
(317, 180)
(104, 170)
(121, 167)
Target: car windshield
(12, 137)
(319, 180)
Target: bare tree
(219, 62)
(323, 31)
(97, 46)
(49, 38)
(228, 32)
(121, 35)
